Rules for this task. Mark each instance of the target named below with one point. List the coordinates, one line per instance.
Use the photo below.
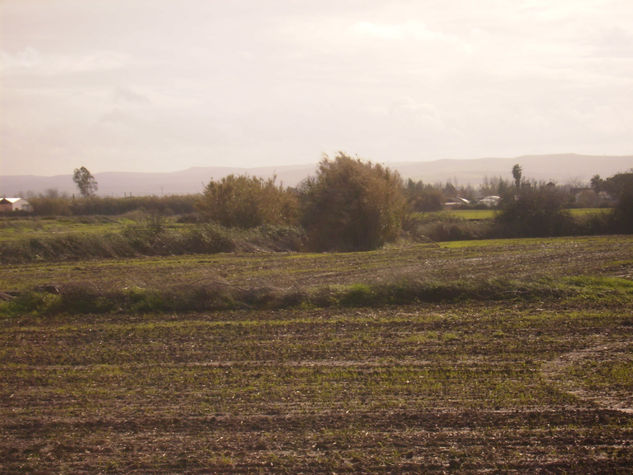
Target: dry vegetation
(495, 355)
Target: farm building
(491, 201)
(14, 204)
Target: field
(479, 214)
(33, 228)
(26, 228)
(496, 355)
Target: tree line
(351, 204)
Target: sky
(165, 85)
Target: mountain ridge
(560, 168)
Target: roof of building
(13, 200)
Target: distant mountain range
(562, 168)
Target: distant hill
(191, 180)
(561, 168)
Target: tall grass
(149, 239)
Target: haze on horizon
(158, 85)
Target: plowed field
(519, 384)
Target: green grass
(483, 214)
(518, 259)
(588, 211)
(605, 375)
(472, 214)
(81, 299)
(15, 229)
(459, 214)
(19, 229)
(533, 243)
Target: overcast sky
(162, 85)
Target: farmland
(30, 228)
(482, 214)
(459, 356)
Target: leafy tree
(517, 174)
(617, 184)
(597, 183)
(352, 205)
(85, 182)
(620, 186)
(246, 202)
(623, 212)
(421, 197)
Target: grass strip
(144, 240)
(84, 299)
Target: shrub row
(349, 205)
(455, 229)
(56, 205)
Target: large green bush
(534, 211)
(623, 212)
(620, 188)
(352, 205)
(246, 202)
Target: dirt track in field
(554, 371)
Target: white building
(15, 204)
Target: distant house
(491, 201)
(14, 204)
